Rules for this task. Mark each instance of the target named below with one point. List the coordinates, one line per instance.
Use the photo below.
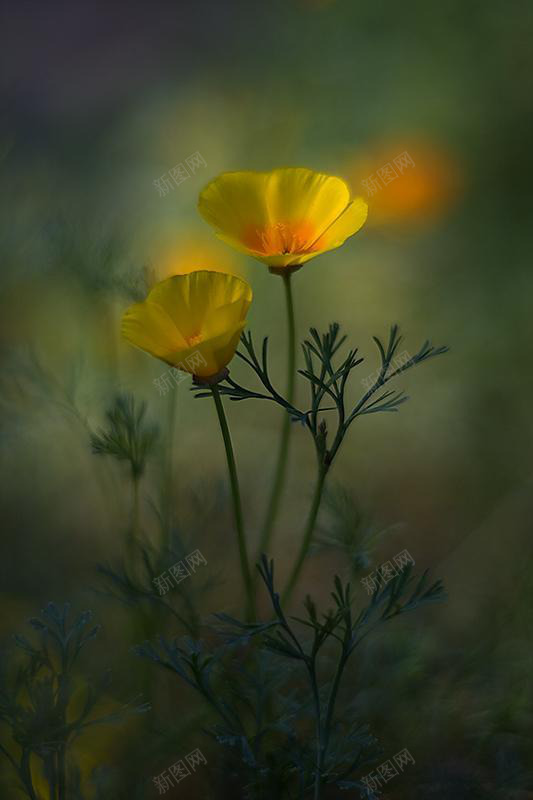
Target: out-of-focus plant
(129, 438)
(296, 744)
(327, 377)
(349, 530)
(139, 591)
(40, 705)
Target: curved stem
(237, 507)
(308, 532)
(283, 452)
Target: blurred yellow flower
(191, 321)
(284, 217)
(184, 255)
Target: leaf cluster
(327, 375)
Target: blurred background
(100, 103)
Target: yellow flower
(284, 217)
(191, 321)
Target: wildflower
(284, 217)
(192, 322)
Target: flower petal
(191, 321)
(218, 351)
(235, 200)
(297, 195)
(149, 327)
(190, 299)
(348, 223)
(226, 318)
(280, 217)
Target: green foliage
(284, 733)
(328, 382)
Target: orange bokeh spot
(419, 189)
(280, 238)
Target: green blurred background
(101, 100)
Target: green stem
(329, 713)
(308, 532)
(324, 729)
(170, 489)
(318, 726)
(133, 533)
(283, 452)
(237, 507)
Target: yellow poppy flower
(284, 217)
(191, 321)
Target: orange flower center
(279, 238)
(192, 341)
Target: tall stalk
(326, 726)
(135, 523)
(237, 506)
(170, 488)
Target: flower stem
(283, 452)
(134, 529)
(237, 507)
(308, 532)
